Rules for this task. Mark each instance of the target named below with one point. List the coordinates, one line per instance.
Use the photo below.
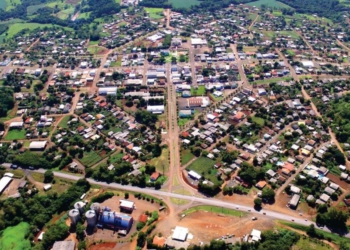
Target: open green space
(155, 13)
(11, 4)
(213, 209)
(183, 121)
(162, 162)
(13, 238)
(34, 8)
(15, 134)
(269, 3)
(258, 120)
(205, 167)
(90, 158)
(95, 49)
(308, 243)
(184, 3)
(64, 14)
(84, 15)
(17, 27)
(199, 91)
(178, 201)
(116, 157)
(186, 156)
(64, 122)
(270, 80)
(337, 239)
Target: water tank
(96, 207)
(74, 216)
(91, 218)
(80, 206)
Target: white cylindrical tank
(96, 207)
(80, 206)
(91, 218)
(74, 216)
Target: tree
(141, 239)
(311, 231)
(268, 194)
(336, 218)
(258, 202)
(126, 196)
(48, 176)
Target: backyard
(186, 156)
(14, 237)
(199, 91)
(205, 167)
(90, 158)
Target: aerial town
(142, 124)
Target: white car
(254, 218)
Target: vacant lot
(258, 120)
(199, 91)
(186, 156)
(162, 162)
(14, 237)
(184, 3)
(90, 158)
(96, 49)
(15, 134)
(309, 243)
(269, 3)
(64, 122)
(205, 167)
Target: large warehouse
(108, 91)
(116, 221)
(37, 145)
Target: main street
(205, 201)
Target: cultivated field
(184, 3)
(269, 3)
(14, 237)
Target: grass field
(15, 134)
(90, 158)
(270, 80)
(95, 49)
(12, 238)
(162, 162)
(183, 121)
(155, 13)
(269, 3)
(213, 209)
(258, 120)
(308, 243)
(84, 15)
(33, 8)
(180, 201)
(186, 156)
(200, 91)
(64, 121)
(17, 27)
(11, 4)
(64, 14)
(184, 3)
(205, 167)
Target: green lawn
(218, 210)
(33, 8)
(162, 162)
(186, 156)
(11, 4)
(15, 134)
(200, 91)
(308, 243)
(269, 3)
(64, 14)
(13, 238)
(205, 167)
(64, 121)
(116, 157)
(155, 13)
(184, 3)
(95, 49)
(84, 15)
(90, 158)
(183, 121)
(258, 120)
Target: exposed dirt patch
(103, 246)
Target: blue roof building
(116, 221)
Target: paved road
(205, 200)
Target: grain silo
(96, 207)
(74, 216)
(91, 218)
(80, 206)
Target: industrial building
(126, 205)
(4, 182)
(115, 221)
(63, 245)
(157, 109)
(108, 91)
(37, 145)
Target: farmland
(90, 158)
(33, 8)
(17, 27)
(269, 3)
(10, 4)
(14, 237)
